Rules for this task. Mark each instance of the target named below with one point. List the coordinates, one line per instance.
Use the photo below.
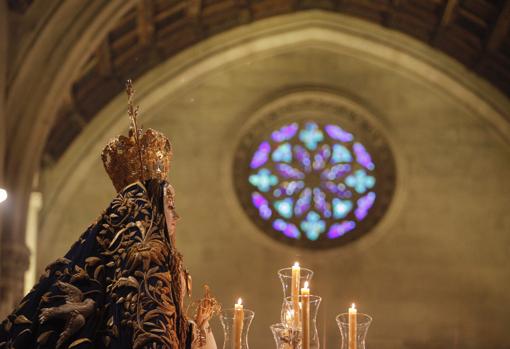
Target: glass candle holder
(287, 317)
(285, 276)
(227, 319)
(285, 337)
(363, 321)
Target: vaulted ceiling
(474, 32)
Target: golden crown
(139, 156)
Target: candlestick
(352, 326)
(296, 272)
(305, 321)
(238, 323)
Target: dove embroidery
(74, 311)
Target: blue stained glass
(283, 153)
(303, 157)
(288, 229)
(284, 207)
(263, 180)
(303, 203)
(337, 133)
(261, 155)
(312, 185)
(339, 229)
(311, 135)
(340, 154)
(313, 225)
(360, 181)
(363, 157)
(365, 203)
(285, 132)
(341, 208)
(287, 171)
(261, 204)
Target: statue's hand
(204, 338)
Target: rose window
(314, 182)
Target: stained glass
(261, 204)
(311, 135)
(360, 181)
(282, 154)
(260, 156)
(288, 229)
(365, 203)
(313, 225)
(284, 207)
(312, 181)
(340, 154)
(339, 229)
(363, 157)
(285, 133)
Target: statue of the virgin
(122, 284)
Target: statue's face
(170, 215)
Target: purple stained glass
(261, 155)
(260, 202)
(312, 182)
(339, 229)
(285, 132)
(365, 203)
(338, 190)
(288, 229)
(303, 157)
(292, 187)
(303, 203)
(363, 157)
(336, 172)
(337, 133)
(320, 203)
(287, 171)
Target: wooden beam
(245, 12)
(500, 29)
(194, 9)
(446, 18)
(448, 10)
(390, 14)
(104, 58)
(145, 21)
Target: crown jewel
(139, 156)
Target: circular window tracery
(312, 179)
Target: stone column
(3, 78)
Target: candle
(296, 272)
(238, 323)
(352, 326)
(305, 321)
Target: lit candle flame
(353, 306)
(296, 264)
(239, 301)
(306, 284)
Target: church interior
(367, 140)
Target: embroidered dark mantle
(119, 286)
